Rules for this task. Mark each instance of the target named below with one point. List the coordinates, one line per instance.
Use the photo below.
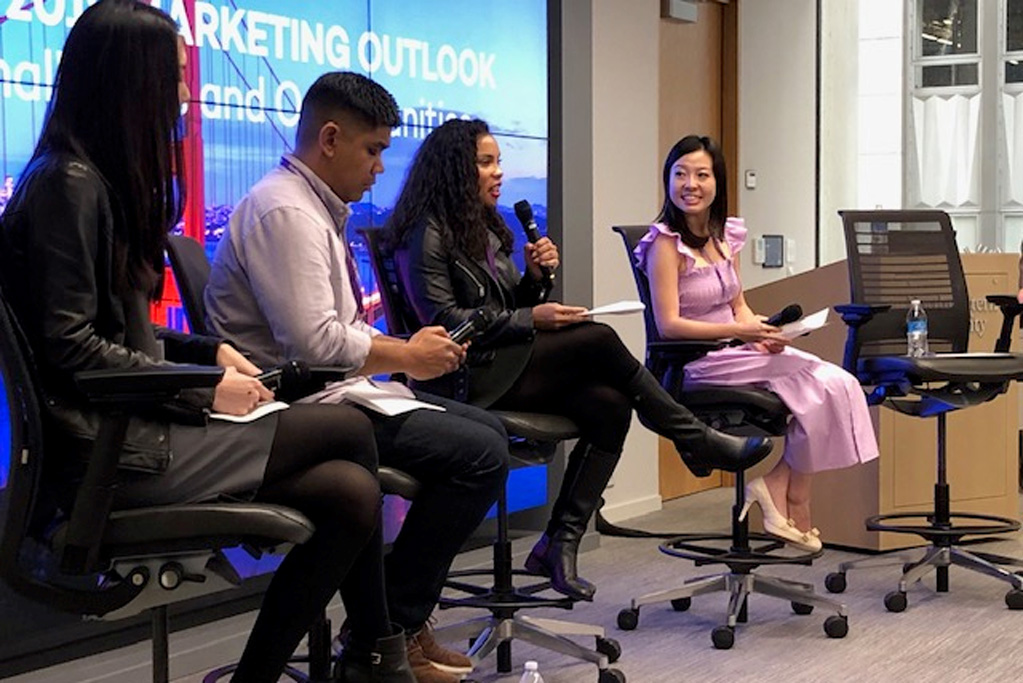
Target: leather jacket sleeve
(431, 288)
(69, 272)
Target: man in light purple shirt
(283, 287)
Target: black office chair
(106, 564)
(744, 411)
(534, 437)
(192, 271)
(895, 256)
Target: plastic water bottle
(531, 673)
(916, 330)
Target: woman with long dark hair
(453, 249)
(82, 247)
(690, 255)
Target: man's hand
(551, 316)
(431, 353)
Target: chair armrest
(684, 348)
(116, 389)
(149, 385)
(1011, 307)
(857, 315)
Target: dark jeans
(460, 458)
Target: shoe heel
(746, 507)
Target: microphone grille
(523, 211)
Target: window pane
(948, 75)
(1014, 71)
(1014, 25)
(948, 27)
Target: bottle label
(916, 326)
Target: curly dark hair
(345, 92)
(443, 184)
(671, 215)
(115, 105)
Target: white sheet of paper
(386, 398)
(261, 411)
(617, 308)
(806, 324)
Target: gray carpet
(965, 635)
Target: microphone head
(789, 314)
(523, 211)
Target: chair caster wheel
(723, 637)
(610, 648)
(681, 604)
(895, 601)
(835, 582)
(628, 619)
(800, 608)
(1014, 599)
(836, 626)
(611, 676)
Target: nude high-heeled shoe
(775, 522)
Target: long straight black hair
(674, 217)
(115, 105)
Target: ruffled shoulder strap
(735, 234)
(648, 239)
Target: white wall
(777, 113)
(625, 187)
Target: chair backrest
(401, 319)
(19, 497)
(192, 272)
(896, 256)
(631, 235)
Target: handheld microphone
(524, 212)
(289, 380)
(789, 314)
(473, 326)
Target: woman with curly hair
(454, 253)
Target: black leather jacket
(445, 286)
(56, 256)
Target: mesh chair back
(192, 272)
(19, 497)
(631, 235)
(401, 319)
(896, 256)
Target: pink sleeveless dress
(830, 426)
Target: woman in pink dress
(690, 257)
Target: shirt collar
(339, 210)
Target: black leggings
(581, 372)
(323, 462)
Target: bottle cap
(532, 665)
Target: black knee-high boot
(702, 448)
(586, 477)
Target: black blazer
(56, 260)
(445, 286)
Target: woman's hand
(770, 346)
(239, 394)
(543, 253)
(552, 316)
(230, 357)
(758, 331)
